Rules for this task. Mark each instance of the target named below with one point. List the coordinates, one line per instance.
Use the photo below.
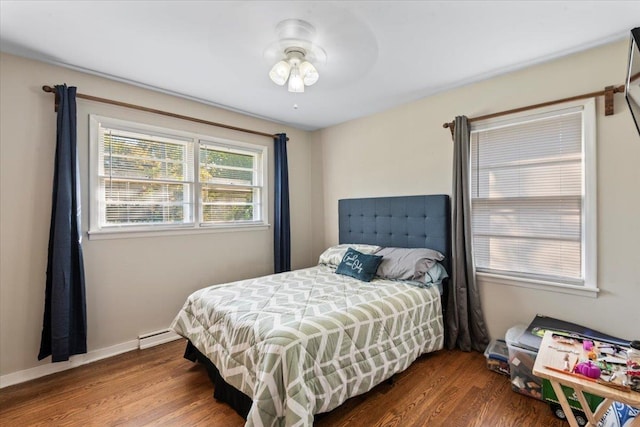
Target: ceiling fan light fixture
(280, 73)
(296, 84)
(309, 73)
(296, 54)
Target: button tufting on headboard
(405, 221)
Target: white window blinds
(230, 185)
(144, 179)
(528, 187)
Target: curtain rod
(607, 93)
(163, 113)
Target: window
(533, 197)
(230, 185)
(146, 178)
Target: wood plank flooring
(158, 387)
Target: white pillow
(334, 254)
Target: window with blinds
(531, 189)
(149, 178)
(230, 185)
(144, 179)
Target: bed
(285, 347)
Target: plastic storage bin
(521, 362)
(497, 355)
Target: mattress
(302, 342)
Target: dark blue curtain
(281, 228)
(64, 329)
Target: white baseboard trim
(144, 341)
(73, 362)
(156, 338)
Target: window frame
(589, 200)
(197, 225)
(261, 176)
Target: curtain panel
(64, 330)
(281, 227)
(465, 324)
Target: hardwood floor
(157, 386)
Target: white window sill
(485, 278)
(175, 231)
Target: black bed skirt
(222, 391)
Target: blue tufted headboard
(403, 221)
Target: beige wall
(135, 285)
(406, 151)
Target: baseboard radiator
(156, 338)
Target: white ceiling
(379, 53)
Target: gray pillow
(406, 263)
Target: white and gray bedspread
(302, 342)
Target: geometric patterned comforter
(302, 342)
